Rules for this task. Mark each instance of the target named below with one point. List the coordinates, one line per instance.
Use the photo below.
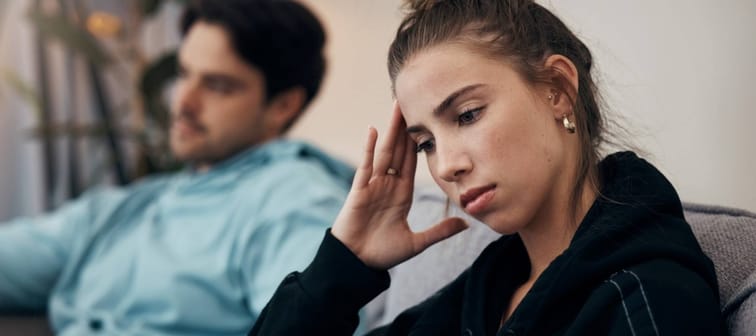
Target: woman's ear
(563, 93)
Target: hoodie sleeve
(655, 298)
(325, 298)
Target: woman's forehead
(432, 76)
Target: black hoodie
(633, 267)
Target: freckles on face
(483, 126)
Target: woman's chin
(505, 225)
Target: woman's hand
(373, 221)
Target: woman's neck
(551, 232)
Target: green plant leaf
(149, 7)
(154, 79)
(152, 7)
(26, 91)
(59, 27)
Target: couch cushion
(726, 235)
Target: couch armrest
(740, 312)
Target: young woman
(498, 95)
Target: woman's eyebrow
(445, 104)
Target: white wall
(20, 157)
(680, 71)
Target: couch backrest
(728, 236)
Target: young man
(200, 251)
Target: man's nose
(186, 99)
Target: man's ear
(563, 93)
(285, 107)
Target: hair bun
(420, 5)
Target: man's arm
(286, 234)
(33, 252)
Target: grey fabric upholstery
(728, 236)
(741, 309)
(24, 326)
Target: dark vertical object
(151, 84)
(74, 189)
(102, 105)
(48, 155)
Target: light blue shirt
(181, 254)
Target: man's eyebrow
(221, 76)
(445, 104)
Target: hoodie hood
(637, 218)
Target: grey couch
(728, 236)
(28, 325)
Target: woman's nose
(452, 162)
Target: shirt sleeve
(33, 252)
(286, 233)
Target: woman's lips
(476, 200)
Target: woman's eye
(469, 116)
(425, 146)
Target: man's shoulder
(297, 162)
(293, 180)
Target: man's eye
(469, 116)
(219, 86)
(425, 146)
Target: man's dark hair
(281, 38)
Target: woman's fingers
(365, 170)
(398, 157)
(445, 229)
(388, 145)
(409, 165)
